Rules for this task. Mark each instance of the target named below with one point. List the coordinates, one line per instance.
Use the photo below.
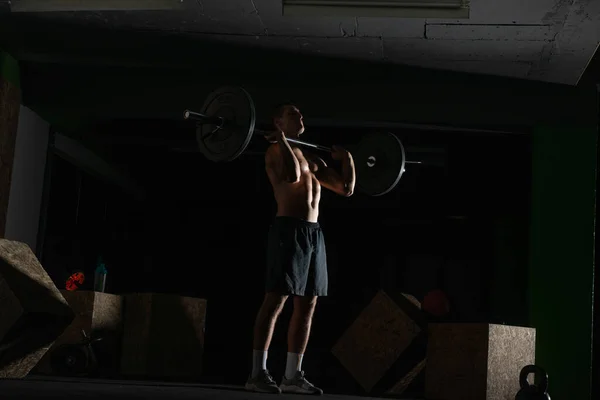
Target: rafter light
(449, 9)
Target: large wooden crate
(476, 361)
(384, 349)
(163, 336)
(33, 313)
(100, 315)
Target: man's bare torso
(299, 199)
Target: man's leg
(264, 325)
(298, 335)
(300, 324)
(266, 319)
(299, 332)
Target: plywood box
(163, 336)
(476, 361)
(100, 315)
(384, 349)
(33, 313)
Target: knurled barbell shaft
(314, 146)
(296, 141)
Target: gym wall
(24, 138)
(558, 275)
(27, 181)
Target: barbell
(226, 125)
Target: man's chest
(305, 161)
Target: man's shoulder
(272, 150)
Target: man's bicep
(330, 179)
(328, 175)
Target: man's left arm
(342, 184)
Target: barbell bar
(226, 126)
(220, 122)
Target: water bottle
(100, 276)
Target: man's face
(291, 122)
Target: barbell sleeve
(187, 114)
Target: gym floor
(40, 387)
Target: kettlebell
(533, 392)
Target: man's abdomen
(300, 201)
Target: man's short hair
(279, 109)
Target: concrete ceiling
(542, 40)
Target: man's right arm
(290, 167)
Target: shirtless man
(296, 261)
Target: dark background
(518, 251)
(202, 232)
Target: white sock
(259, 361)
(293, 364)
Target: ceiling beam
(24, 6)
(86, 159)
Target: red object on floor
(436, 303)
(75, 281)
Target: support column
(10, 103)
(596, 328)
(561, 268)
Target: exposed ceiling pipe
(24, 6)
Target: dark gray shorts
(296, 258)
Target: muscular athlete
(296, 261)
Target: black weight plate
(379, 161)
(235, 105)
(70, 359)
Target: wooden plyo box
(33, 313)
(382, 349)
(99, 315)
(163, 336)
(476, 361)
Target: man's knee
(305, 305)
(273, 303)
